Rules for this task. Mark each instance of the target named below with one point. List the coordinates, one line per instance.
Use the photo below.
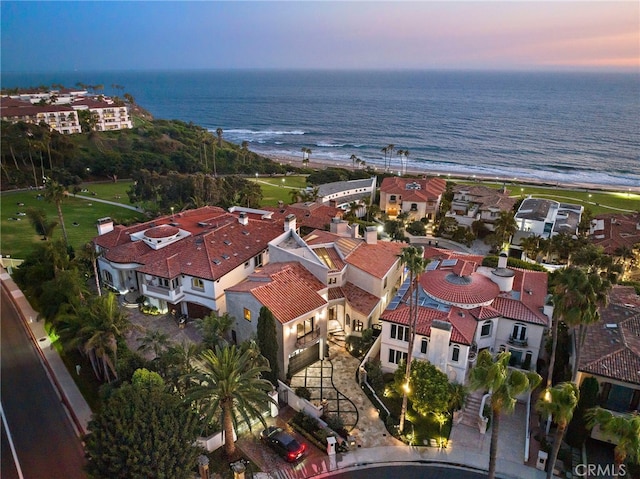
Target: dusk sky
(64, 36)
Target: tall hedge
(268, 343)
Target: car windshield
(288, 442)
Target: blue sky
(64, 36)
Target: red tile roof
(430, 189)
(612, 346)
(375, 259)
(287, 289)
(432, 253)
(446, 286)
(518, 311)
(218, 243)
(618, 230)
(308, 215)
(462, 330)
(359, 299)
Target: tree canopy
(141, 432)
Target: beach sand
(508, 181)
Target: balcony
(160, 292)
(521, 343)
(308, 338)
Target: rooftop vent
(611, 326)
(225, 256)
(216, 261)
(227, 242)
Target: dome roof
(162, 231)
(467, 291)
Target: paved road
(44, 439)
(410, 472)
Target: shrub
(306, 422)
(374, 374)
(334, 421)
(303, 392)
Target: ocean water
(553, 127)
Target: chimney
(105, 225)
(439, 341)
(290, 222)
(333, 203)
(502, 260)
(338, 226)
(371, 235)
(243, 219)
(355, 227)
(502, 275)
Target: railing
(308, 338)
(518, 342)
(165, 293)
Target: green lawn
(19, 237)
(276, 189)
(597, 201)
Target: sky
(142, 35)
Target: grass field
(596, 200)
(18, 236)
(279, 188)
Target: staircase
(471, 410)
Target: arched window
(486, 329)
(455, 355)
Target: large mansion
(240, 260)
(420, 198)
(464, 308)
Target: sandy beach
(508, 181)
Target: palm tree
(353, 159)
(572, 301)
(384, 150)
(95, 328)
(244, 147)
(504, 385)
(531, 246)
(308, 154)
(390, 149)
(215, 329)
(219, 133)
(624, 429)
(412, 257)
(38, 219)
(228, 385)
(177, 363)
(56, 193)
(89, 254)
(558, 403)
(505, 225)
(154, 341)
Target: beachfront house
(464, 308)
(473, 203)
(418, 197)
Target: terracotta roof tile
(612, 346)
(516, 310)
(430, 189)
(308, 215)
(217, 245)
(446, 286)
(359, 299)
(463, 327)
(287, 289)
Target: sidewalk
(77, 408)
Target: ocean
(573, 127)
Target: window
(414, 206)
(257, 260)
(247, 314)
(423, 346)
(486, 329)
(305, 327)
(396, 356)
(108, 277)
(518, 335)
(399, 332)
(392, 199)
(455, 355)
(197, 283)
(357, 325)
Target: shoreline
(507, 180)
